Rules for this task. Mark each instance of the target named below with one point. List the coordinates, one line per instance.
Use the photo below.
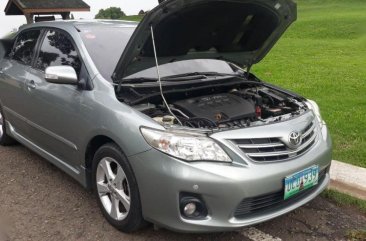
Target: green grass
(345, 200)
(132, 18)
(322, 56)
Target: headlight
(312, 105)
(185, 146)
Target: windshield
(105, 44)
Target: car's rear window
(105, 44)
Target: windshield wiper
(197, 75)
(190, 74)
(138, 80)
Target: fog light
(192, 206)
(190, 209)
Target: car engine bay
(224, 108)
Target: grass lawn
(132, 18)
(323, 57)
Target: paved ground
(39, 202)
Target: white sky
(130, 7)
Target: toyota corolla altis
(163, 120)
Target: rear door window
(25, 45)
(57, 49)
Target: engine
(218, 108)
(235, 109)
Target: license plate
(301, 181)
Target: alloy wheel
(113, 188)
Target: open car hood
(237, 31)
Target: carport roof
(20, 7)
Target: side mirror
(61, 75)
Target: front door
(54, 109)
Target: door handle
(31, 85)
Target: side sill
(68, 169)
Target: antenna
(159, 79)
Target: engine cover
(218, 108)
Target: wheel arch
(93, 145)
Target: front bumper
(162, 178)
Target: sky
(130, 7)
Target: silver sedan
(159, 120)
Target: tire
(5, 139)
(115, 187)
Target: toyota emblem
(295, 139)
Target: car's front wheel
(5, 139)
(116, 189)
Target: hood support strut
(159, 78)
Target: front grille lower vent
(273, 149)
(260, 204)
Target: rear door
(54, 109)
(14, 70)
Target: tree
(110, 13)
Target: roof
(19, 7)
(63, 24)
(67, 25)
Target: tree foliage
(110, 13)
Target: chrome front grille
(274, 149)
